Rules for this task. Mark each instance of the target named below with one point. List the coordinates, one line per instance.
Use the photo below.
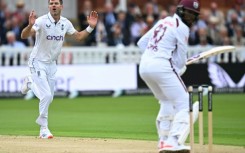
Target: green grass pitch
(126, 117)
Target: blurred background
(107, 62)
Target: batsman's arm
(143, 42)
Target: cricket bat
(209, 53)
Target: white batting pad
(186, 130)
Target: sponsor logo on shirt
(57, 38)
(48, 26)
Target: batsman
(162, 64)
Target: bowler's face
(55, 7)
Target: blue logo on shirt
(57, 38)
(48, 26)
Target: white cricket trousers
(43, 77)
(168, 87)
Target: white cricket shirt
(50, 37)
(168, 39)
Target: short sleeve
(71, 30)
(143, 42)
(37, 24)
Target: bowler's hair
(61, 2)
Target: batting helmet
(192, 6)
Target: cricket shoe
(45, 133)
(24, 88)
(167, 147)
(29, 95)
(160, 145)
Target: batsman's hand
(182, 71)
(92, 19)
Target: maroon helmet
(188, 11)
(192, 5)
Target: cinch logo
(58, 38)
